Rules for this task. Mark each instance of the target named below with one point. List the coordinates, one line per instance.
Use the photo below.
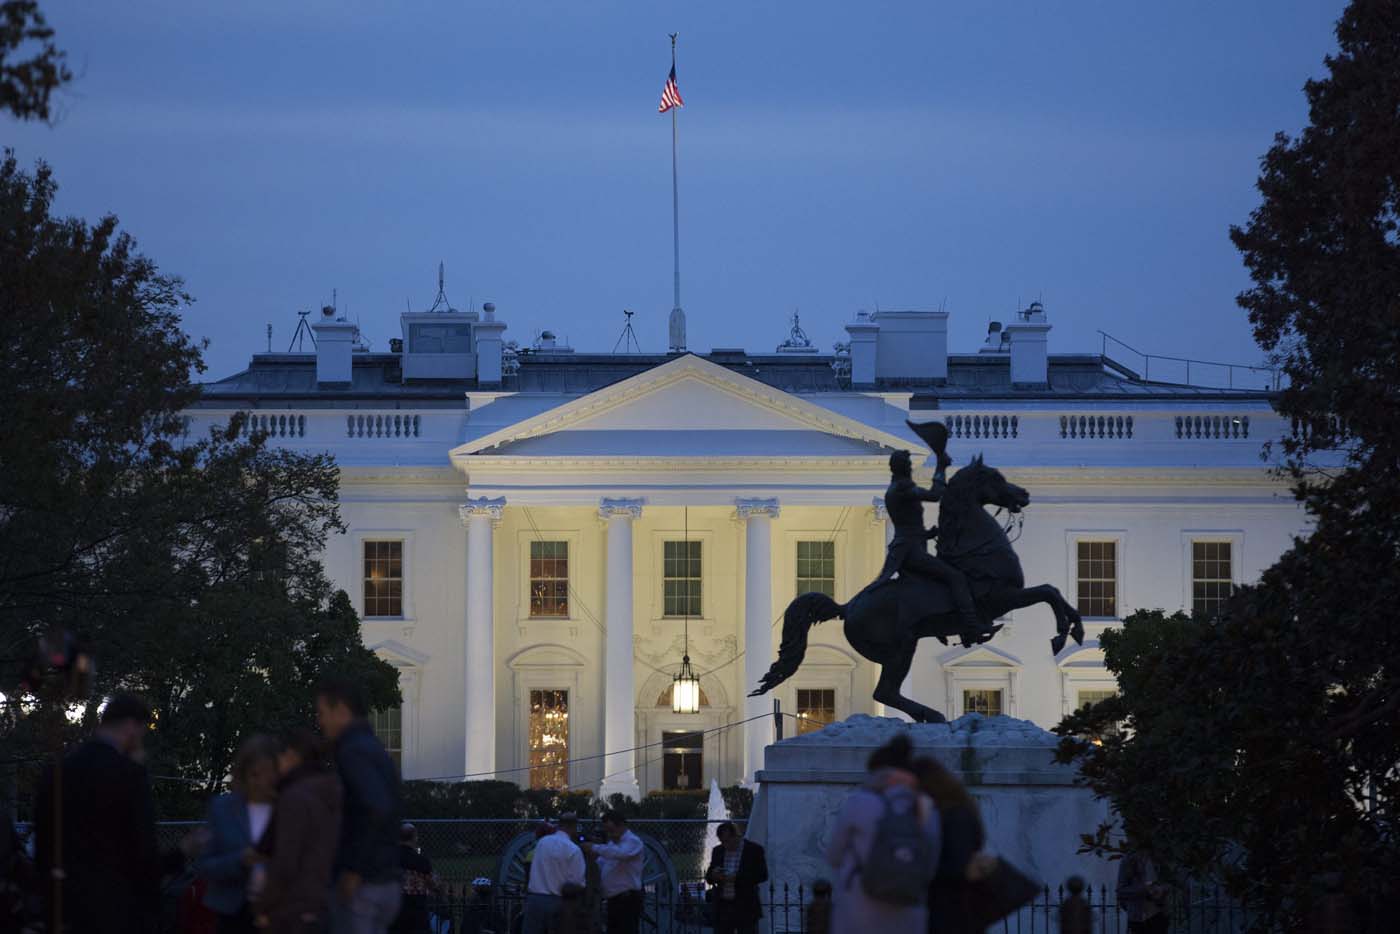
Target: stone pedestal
(1033, 812)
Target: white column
(480, 516)
(878, 514)
(619, 691)
(758, 516)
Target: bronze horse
(884, 622)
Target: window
(549, 738)
(816, 568)
(1211, 579)
(681, 579)
(388, 726)
(683, 760)
(816, 707)
(1098, 578)
(985, 701)
(439, 338)
(383, 578)
(549, 579)
(1093, 696)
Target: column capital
(877, 509)
(482, 506)
(748, 508)
(613, 508)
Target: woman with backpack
(884, 849)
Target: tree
(1263, 745)
(31, 66)
(189, 566)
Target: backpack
(902, 859)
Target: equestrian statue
(972, 580)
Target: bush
(484, 800)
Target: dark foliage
(1262, 746)
(31, 66)
(189, 566)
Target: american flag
(670, 95)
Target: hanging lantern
(685, 692)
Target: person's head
(901, 465)
(1075, 884)
(898, 753)
(339, 703)
(729, 837)
(299, 747)
(940, 784)
(408, 834)
(544, 829)
(614, 824)
(125, 720)
(255, 770)
(568, 823)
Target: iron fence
(800, 910)
(674, 901)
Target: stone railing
(382, 426)
(274, 425)
(1199, 427)
(983, 426)
(1096, 426)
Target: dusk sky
(833, 156)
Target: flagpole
(675, 202)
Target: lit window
(681, 579)
(388, 726)
(816, 568)
(549, 578)
(383, 578)
(816, 707)
(1211, 579)
(549, 738)
(1098, 578)
(981, 700)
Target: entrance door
(682, 766)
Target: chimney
(335, 342)
(996, 339)
(912, 347)
(1030, 365)
(488, 348)
(864, 332)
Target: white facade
(466, 478)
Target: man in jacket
(106, 851)
(737, 868)
(367, 891)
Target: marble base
(1033, 812)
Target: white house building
(537, 537)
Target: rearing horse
(885, 622)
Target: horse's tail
(799, 617)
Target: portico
(632, 511)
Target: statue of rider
(908, 551)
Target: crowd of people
(308, 838)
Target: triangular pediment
(687, 406)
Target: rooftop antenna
(302, 332)
(628, 339)
(269, 337)
(334, 301)
(441, 304)
(943, 305)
